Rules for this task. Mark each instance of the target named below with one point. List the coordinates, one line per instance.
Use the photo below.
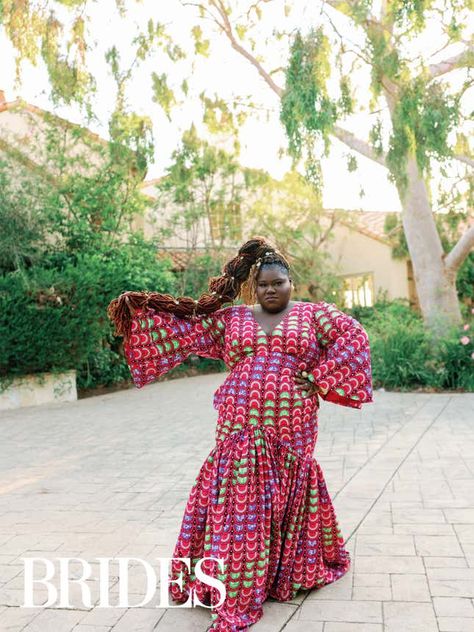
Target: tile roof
(369, 223)
(181, 257)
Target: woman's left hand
(302, 382)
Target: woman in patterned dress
(259, 502)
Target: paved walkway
(110, 475)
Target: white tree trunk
(436, 287)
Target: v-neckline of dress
(276, 326)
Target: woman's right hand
(309, 387)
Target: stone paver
(109, 476)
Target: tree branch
(465, 159)
(454, 259)
(342, 5)
(226, 27)
(346, 137)
(343, 40)
(324, 235)
(361, 146)
(463, 59)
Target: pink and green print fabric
(259, 502)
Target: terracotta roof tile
(181, 257)
(369, 223)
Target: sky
(224, 73)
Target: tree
(206, 189)
(23, 224)
(57, 32)
(418, 98)
(425, 115)
(78, 194)
(291, 211)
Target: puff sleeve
(344, 374)
(160, 341)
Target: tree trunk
(436, 288)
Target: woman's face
(273, 288)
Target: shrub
(455, 360)
(401, 355)
(404, 354)
(53, 316)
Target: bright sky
(225, 73)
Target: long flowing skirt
(265, 511)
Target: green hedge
(53, 316)
(406, 357)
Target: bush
(455, 356)
(401, 356)
(405, 356)
(53, 316)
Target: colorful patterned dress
(259, 501)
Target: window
(359, 290)
(225, 221)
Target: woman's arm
(160, 341)
(344, 375)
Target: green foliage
(465, 282)
(385, 61)
(67, 250)
(201, 45)
(84, 196)
(351, 163)
(22, 219)
(405, 356)
(193, 281)
(424, 117)
(399, 346)
(346, 101)
(407, 13)
(70, 79)
(57, 34)
(35, 31)
(455, 361)
(220, 118)
(204, 184)
(375, 137)
(425, 112)
(53, 315)
(156, 36)
(162, 93)
(133, 131)
(393, 228)
(400, 356)
(305, 104)
(103, 367)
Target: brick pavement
(110, 475)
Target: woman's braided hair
(238, 279)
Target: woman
(259, 502)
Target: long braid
(222, 289)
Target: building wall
(26, 130)
(355, 253)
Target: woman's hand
(305, 381)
